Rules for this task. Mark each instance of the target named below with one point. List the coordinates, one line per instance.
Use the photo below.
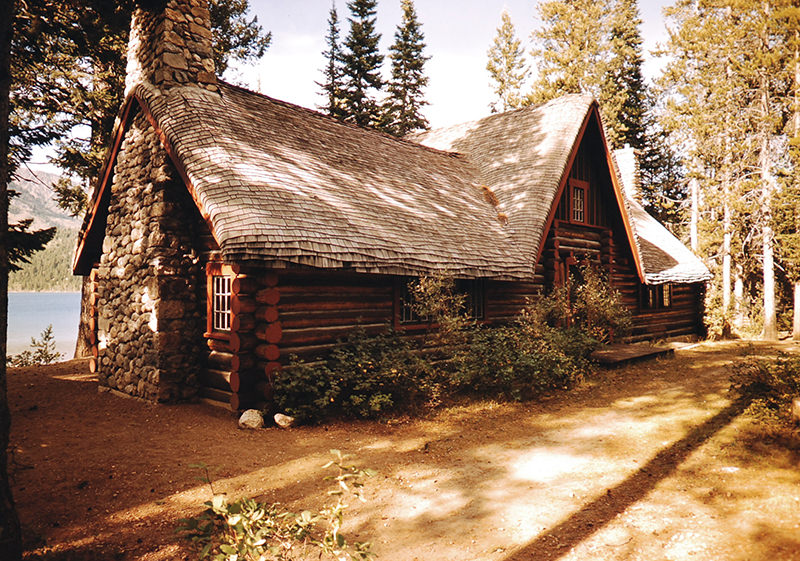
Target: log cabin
(228, 230)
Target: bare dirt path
(651, 461)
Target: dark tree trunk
(10, 535)
(83, 346)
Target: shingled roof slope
(521, 156)
(281, 183)
(664, 257)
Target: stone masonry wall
(150, 321)
(170, 45)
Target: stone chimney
(170, 45)
(628, 165)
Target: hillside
(50, 269)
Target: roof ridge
(334, 120)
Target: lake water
(29, 313)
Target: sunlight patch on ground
(545, 466)
(76, 377)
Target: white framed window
(221, 303)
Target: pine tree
(506, 66)
(402, 110)
(623, 91)
(332, 86)
(11, 535)
(362, 65)
(570, 49)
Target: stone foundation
(151, 303)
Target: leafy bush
(508, 362)
(770, 385)
(588, 304)
(248, 530)
(365, 377)
(42, 351)
(548, 348)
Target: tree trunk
(796, 323)
(738, 298)
(694, 185)
(83, 346)
(10, 535)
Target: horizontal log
(268, 352)
(243, 305)
(242, 361)
(271, 369)
(266, 313)
(269, 332)
(92, 365)
(315, 302)
(333, 290)
(328, 318)
(242, 341)
(269, 279)
(243, 322)
(305, 353)
(269, 296)
(317, 335)
(220, 360)
(245, 285)
(212, 378)
(221, 345)
(214, 394)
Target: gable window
(473, 291)
(221, 303)
(578, 204)
(656, 297)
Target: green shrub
(507, 362)
(248, 530)
(769, 385)
(364, 377)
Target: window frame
(655, 297)
(574, 186)
(406, 318)
(216, 271)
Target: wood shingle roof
(282, 184)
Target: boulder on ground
(251, 419)
(284, 421)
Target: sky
(457, 34)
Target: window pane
(578, 204)
(221, 303)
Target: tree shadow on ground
(552, 544)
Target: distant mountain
(51, 268)
(35, 201)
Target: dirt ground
(651, 461)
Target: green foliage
(506, 66)
(403, 105)
(42, 351)
(370, 376)
(770, 385)
(364, 377)
(69, 67)
(332, 86)
(49, 269)
(506, 362)
(587, 303)
(362, 65)
(248, 530)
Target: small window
(472, 289)
(221, 303)
(578, 204)
(407, 312)
(656, 297)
